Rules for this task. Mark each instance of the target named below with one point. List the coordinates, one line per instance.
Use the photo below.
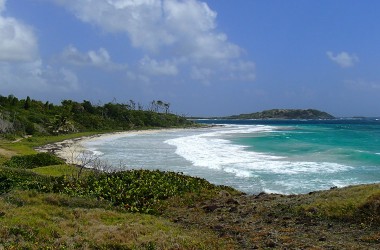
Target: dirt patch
(6, 153)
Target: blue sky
(207, 58)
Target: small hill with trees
(285, 114)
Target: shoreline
(72, 150)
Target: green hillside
(285, 114)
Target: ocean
(273, 156)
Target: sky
(204, 57)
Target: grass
(57, 170)
(29, 219)
(350, 204)
(26, 145)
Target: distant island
(285, 114)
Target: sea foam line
(212, 150)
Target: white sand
(73, 151)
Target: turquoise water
(349, 144)
(257, 155)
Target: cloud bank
(171, 33)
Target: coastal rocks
(270, 221)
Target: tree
(167, 106)
(132, 104)
(88, 107)
(27, 103)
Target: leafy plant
(33, 161)
(19, 178)
(135, 190)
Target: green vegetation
(33, 161)
(32, 117)
(135, 190)
(57, 170)
(358, 203)
(51, 207)
(33, 220)
(285, 114)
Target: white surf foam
(212, 150)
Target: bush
(33, 161)
(24, 179)
(5, 184)
(136, 190)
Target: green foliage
(139, 191)
(11, 178)
(136, 190)
(28, 116)
(33, 161)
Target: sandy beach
(73, 151)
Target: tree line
(29, 116)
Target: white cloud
(100, 58)
(22, 72)
(23, 78)
(343, 59)
(17, 40)
(153, 67)
(169, 32)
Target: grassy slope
(33, 220)
(334, 219)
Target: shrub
(135, 190)
(19, 178)
(33, 161)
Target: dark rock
(210, 208)
(218, 227)
(271, 244)
(322, 239)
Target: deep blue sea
(276, 156)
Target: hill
(285, 114)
